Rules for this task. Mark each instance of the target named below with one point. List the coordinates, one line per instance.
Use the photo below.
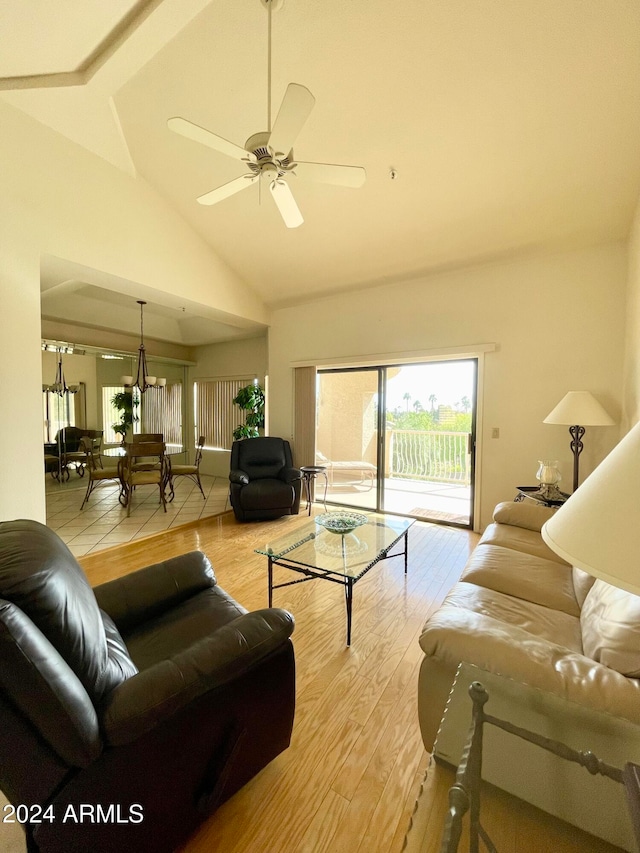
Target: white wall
(59, 199)
(631, 404)
(228, 360)
(21, 485)
(557, 322)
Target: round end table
(309, 473)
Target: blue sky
(449, 381)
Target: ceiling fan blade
(328, 173)
(212, 140)
(286, 204)
(293, 113)
(226, 190)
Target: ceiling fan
(269, 154)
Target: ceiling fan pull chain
(269, 4)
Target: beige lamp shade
(579, 407)
(597, 528)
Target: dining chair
(96, 436)
(144, 464)
(191, 471)
(146, 438)
(68, 441)
(96, 474)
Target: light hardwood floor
(350, 778)
(347, 780)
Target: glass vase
(548, 473)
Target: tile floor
(104, 523)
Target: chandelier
(143, 381)
(60, 385)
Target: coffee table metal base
(347, 582)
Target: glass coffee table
(316, 552)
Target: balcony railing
(429, 455)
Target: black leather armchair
(134, 709)
(264, 483)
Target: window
(57, 412)
(215, 414)
(155, 411)
(110, 415)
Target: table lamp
(577, 410)
(597, 528)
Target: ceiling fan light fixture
(270, 153)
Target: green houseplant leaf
(250, 399)
(125, 404)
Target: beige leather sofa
(521, 611)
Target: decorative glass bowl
(341, 522)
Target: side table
(309, 473)
(541, 496)
(564, 758)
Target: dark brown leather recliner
(130, 712)
(263, 482)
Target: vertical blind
(216, 415)
(304, 418)
(162, 412)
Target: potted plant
(125, 404)
(251, 401)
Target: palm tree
(406, 396)
(466, 405)
(417, 405)
(432, 400)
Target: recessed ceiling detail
(73, 39)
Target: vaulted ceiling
(510, 126)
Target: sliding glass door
(400, 438)
(347, 435)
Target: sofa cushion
(178, 629)
(473, 624)
(520, 539)
(30, 666)
(40, 575)
(582, 583)
(530, 619)
(266, 493)
(454, 634)
(523, 514)
(526, 578)
(610, 623)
